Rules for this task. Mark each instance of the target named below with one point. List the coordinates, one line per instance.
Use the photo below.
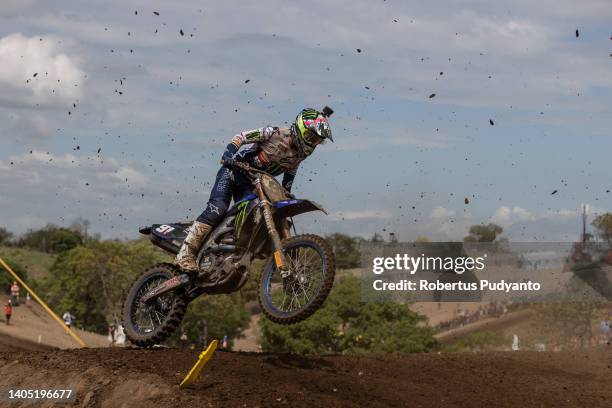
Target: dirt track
(145, 378)
(8, 343)
(31, 324)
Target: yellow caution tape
(194, 373)
(43, 304)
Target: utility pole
(584, 220)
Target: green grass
(36, 263)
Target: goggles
(311, 138)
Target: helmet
(310, 128)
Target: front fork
(279, 256)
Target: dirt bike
(295, 282)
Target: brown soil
(31, 324)
(116, 377)
(8, 343)
(248, 339)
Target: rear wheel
(312, 267)
(147, 324)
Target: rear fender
(291, 208)
(168, 237)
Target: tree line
(90, 277)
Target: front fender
(291, 208)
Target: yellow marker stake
(194, 373)
(43, 304)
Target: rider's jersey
(269, 149)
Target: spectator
(605, 329)
(27, 299)
(68, 319)
(224, 343)
(183, 338)
(119, 335)
(112, 330)
(8, 311)
(15, 294)
(515, 343)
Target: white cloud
(573, 213)
(443, 224)
(503, 36)
(58, 80)
(126, 174)
(506, 216)
(441, 213)
(360, 215)
(69, 174)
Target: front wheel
(297, 296)
(147, 324)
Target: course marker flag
(194, 373)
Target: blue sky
(160, 106)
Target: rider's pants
(227, 184)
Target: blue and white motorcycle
(295, 282)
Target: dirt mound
(142, 378)
(8, 343)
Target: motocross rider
(271, 149)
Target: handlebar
(249, 170)
(243, 166)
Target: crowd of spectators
(11, 303)
(464, 316)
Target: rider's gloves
(228, 161)
(289, 195)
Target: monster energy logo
(240, 217)
(273, 168)
(309, 114)
(253, 135)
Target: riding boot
(186, 259)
